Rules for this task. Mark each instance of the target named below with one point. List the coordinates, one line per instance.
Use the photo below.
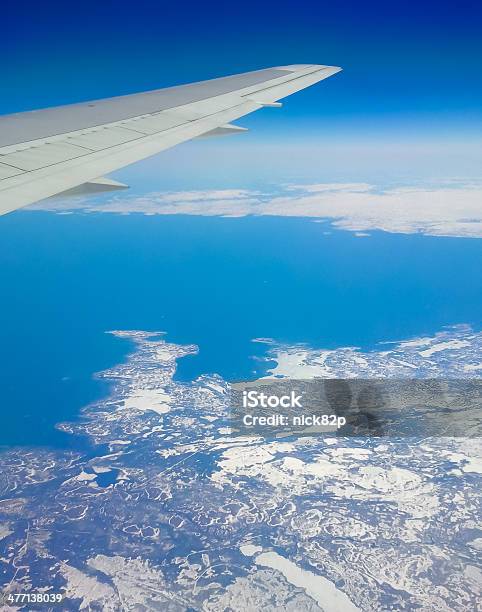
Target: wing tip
(296, 67)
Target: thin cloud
(441, 210)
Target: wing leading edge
(47, 152)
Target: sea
(218, 283)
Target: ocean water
(218, 283)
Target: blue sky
(405, 108)
(411, 68)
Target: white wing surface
(70, 148)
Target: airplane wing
(70, 148)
